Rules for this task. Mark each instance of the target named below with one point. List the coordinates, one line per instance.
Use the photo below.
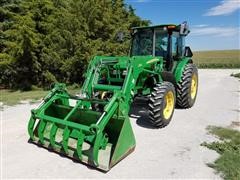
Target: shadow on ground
(139, 111)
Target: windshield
(142, 44)
(161, 43)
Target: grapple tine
(53, 135)
(31, 124)
(79, 144)
(66, 134)
(96, 148)
(41, 129)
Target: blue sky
(214, 24)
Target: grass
(228, 164)
(236, 75)
(11, 97)
(217, 59)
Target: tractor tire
(161, 104)
(187, 87)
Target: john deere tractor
(94, 126)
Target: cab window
(142, 44)
(161, 43)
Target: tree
(43, 41)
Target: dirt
(171, 152)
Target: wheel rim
(169, 100)
(194, 86)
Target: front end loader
(94, 126)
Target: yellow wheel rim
(194, 86)
(169, 100)
(103, 94)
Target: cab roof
(157, 26)
(183, 28)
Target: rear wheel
(161, 104)
(187, 87)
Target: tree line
(44, 41)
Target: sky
(214, 24)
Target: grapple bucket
(71, 127)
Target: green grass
(236, 75)
(228, 164)
(217, 59)
(10, 97)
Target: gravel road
(171, 152)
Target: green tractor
(94, 126)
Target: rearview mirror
(184, 29)
(188, 52)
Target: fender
(180, 68)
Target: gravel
(171, 152)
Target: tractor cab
(167, 41)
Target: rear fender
(180, 68)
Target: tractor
(93, 126)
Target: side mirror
(184, 29)
(188, 52)
(120, 36)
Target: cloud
(142, 1)
(215, 31)
(225, 8)
(200, 25)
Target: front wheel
(162, 104)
